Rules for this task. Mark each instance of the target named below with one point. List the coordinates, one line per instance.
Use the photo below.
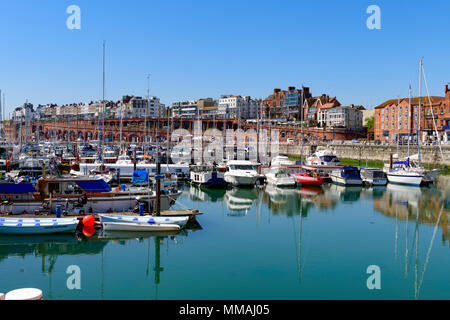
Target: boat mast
(102, 110)
(420, 107)
(301, 125)
(409, 119)
(146, 113)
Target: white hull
(180, 221)
(346, 181)
(37, 226)
(407, 178)
(281, 182)
(375, 182)
(118, 226)
(238, 180)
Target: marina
(284, 244)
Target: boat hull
(412, 180)
(141, 227)
(309, 181)
(37, 226)
(346, 181)
(180, 221)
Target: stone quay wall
(430, 154)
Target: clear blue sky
(198, 48)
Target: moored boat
(37, 226)
(347, 175)
(309, 179)
(279, 177)
(180, 221)
(121, 226)
(373, 176)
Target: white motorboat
(180, 221)
(146, 227)
(241, 173)
(282, 161)
(279, 177)
(349, 176)
(324, 157)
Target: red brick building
(395, 119)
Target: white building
(238, 107)
(138, 107)
(344, 117)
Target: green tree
(370, 122)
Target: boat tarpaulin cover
(140, 176)
(94, 186)
(9, 188)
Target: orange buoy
(88, 231)
(88, 221)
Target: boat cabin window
(64, 188)
(329, 158)
(243, 167)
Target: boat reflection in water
(203, 194)
(240, 200)
(346, 193)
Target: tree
(370, 122)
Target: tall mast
(103, 108)
(146, 112)
(301, 125)
(419, 116)
(409, 119)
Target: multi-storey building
(185, 109)
(396, 119)
(138, 107)
(283, 104)
(348, 117)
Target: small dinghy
(180, 221)
(146, 227)
(37, 226)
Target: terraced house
(396, 119)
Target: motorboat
(347, 175)
(324, 157)
(309, 179)
(207, 176)
(279, 177)
(180, 221)
(282, 161)
(81, 194)
(241, 173)
(139, 227)
(373, 176)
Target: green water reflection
(269, 243)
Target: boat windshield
(243, 167)
(329, 159)
(351, 174)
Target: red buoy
(88, 221)
(88, 231)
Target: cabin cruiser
(279, 177)
(373, 176)
(207, 175)
(347, 176)
(324, 157)
(282, 161)
(241, 173)
(83, 195)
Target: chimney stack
(447, 92)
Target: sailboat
(405, 172)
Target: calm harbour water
(302, 243)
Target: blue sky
(197, 48)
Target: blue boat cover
(94, 186)
(9, 188)
(140, 176)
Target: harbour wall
(430, 154)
